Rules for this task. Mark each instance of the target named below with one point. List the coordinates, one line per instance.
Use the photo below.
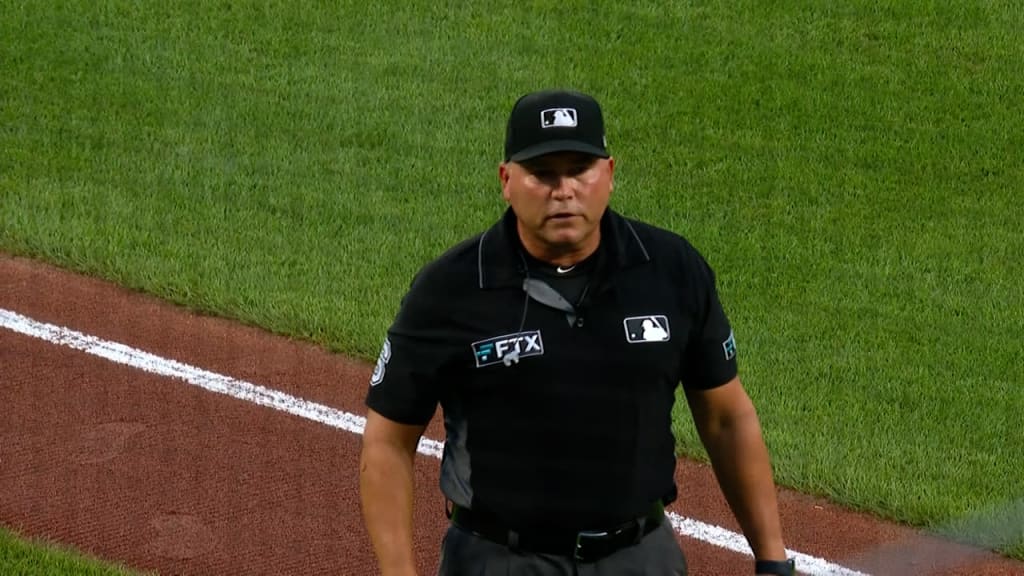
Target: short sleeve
(710, 355)
(406, 380)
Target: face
(558, 200)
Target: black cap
(554, 121)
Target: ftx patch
(508, 349)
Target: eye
(578, 169)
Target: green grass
(19, 558)
(852, 172)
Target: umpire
(554, 342)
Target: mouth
(561, 216)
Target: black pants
(465, 554)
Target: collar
(501, 264)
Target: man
(554, 342)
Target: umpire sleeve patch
(382, 363)
(729, 346)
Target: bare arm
(386, 488)
(731, 432)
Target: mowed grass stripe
(852, 173)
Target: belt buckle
(582, 537)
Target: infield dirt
(160, 475)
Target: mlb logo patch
(508, 349)
(558, 117)
(646, 329)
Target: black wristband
(785, 568)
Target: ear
(611, 175)
(504, 176)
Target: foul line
(335, 418)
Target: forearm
(741, 464)
(386, 490)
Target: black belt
(586, 546)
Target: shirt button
(579, 322)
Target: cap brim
(552, 146)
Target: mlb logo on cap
(553, 117)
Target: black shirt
(557, 413)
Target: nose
(564, 188)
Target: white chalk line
(242, 390)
